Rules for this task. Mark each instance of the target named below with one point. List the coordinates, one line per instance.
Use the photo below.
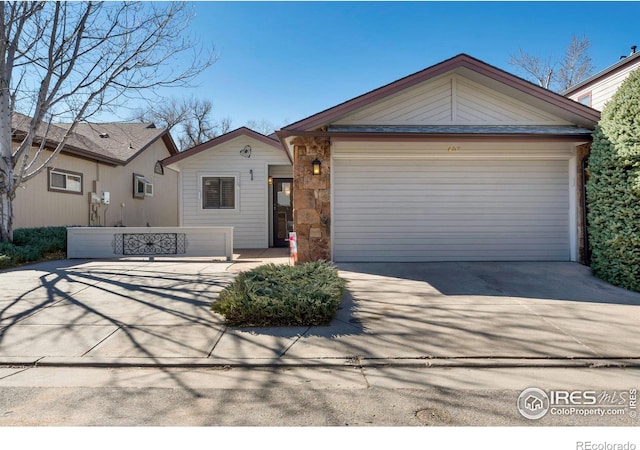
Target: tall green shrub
(613, 189)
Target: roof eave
(85, 154)
(284, 134)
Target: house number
(453, 149)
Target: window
(158, 168)
(218, 193)
(64, 181)
(141, 186)
(585, 99)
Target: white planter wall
(118, 242)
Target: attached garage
(484, 203)
(461, 161)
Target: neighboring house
(596, 91)
(461, 161)
(241, 179)
(108, 174)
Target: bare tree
(261, 126)
(536, 69)
(68, 61)
(556, 75)
(576, 65)
(189, 120)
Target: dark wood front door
(282, 211)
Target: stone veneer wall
(312, 198)
(582, 152)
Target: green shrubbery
(613, 189)
(282, 295)
(33, 244)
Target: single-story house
(596, 90)
(461, 161)
(241, 179)
(108, 174)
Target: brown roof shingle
(114, 143)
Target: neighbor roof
(620, 65)
(114, 143)
(242, 131)
(586, 114)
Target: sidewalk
(141, 313)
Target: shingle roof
(114, 142)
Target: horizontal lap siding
(249, 220)
(434, 210)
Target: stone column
(312, 198)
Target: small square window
(64, 181)
(218, 193)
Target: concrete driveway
(157, 313)
(492, 310)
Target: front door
(282, 211)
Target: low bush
(33, 244)
(282, 295)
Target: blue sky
(283, 61)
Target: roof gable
(528, 102)
(451, 99)
(243, 131)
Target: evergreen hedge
(33, 244)
(613, 189)
(282, 295)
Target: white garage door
(453, 210)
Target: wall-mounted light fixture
(316, 166)
(270, 179)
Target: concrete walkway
(141, 313)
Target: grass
(32, 245)
(281, 295)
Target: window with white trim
(141, 186)
(64, 181)
(218, 193)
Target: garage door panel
(428, 210)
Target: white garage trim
(519, 202)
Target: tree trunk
(7, 182)
(6, 217)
